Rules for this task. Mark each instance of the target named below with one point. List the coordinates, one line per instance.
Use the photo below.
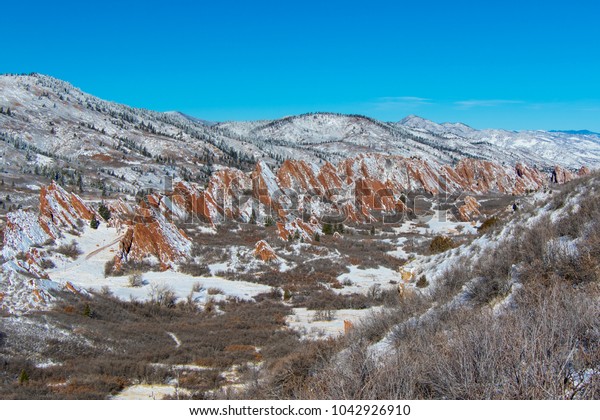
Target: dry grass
(121, 341)
(545, 346)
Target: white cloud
(477, 103)
(387, 103)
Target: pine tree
(327, 229)
(94, 223)
(23, 377)
(104, 212)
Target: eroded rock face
(58, 210)
(357, 189)
(264, 251)
(469, 210)
(62, 209)
(297, 227)
(227, 195)
(23, 230)
(151, 236)
(583, 171)
(561, 175)
(25, 284)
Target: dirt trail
(97, 251)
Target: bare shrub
(215, 291)
(484, 290)
(47, 264)
(162, 295)
(128, 267)
(440, 244)
(323, 315)
(487, 224)
(194, 269)
(539, 351)
(452, 280)
(136, 280)
(70, 250)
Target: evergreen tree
(327, 229)
(23, 377)
(94, 223)
(104, 212)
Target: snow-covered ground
(149, 392)
(99, 246)
(363, 279)
(441, 222)
(303, 321)
(399, 252)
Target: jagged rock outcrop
(358, 189)
(560, 175)
(24, 230)
(469, 210)
(583, 171)
(62, 209)
(58, 210)
(24, 284)
(227, 195)
(264, 251)
(152, 237)
(265, 187)
(297, 227)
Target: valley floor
(431, 291)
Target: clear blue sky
(512, 64)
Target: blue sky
(510, 64)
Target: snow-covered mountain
(55, 122)
(567, 148)
(333, 137)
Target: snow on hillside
(533, 147)
(99, 246)
(91, 142)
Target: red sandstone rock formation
(151, 235)
(62, 209)
(469, 209)
(264, 251)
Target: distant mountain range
(577, 132)
(49, 126)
